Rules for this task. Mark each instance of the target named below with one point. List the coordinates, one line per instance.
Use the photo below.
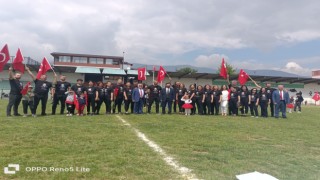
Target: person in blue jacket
(280, 98)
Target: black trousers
(297, 104)
(127, 104)
(174, 106)
(157, 102)
(59, 99)
(14, 101)
(254, 109)
(28, 104)
(70, 108)
(91, 104)
(272, 109)
(118, 103)
(165, 103)
(264, 108)
(215, 107)
(193, 110)
(233, 107)
(43, 99)
(245, 107)
(180, 104)
(207, 107)
(199, 105)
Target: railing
(27, 61)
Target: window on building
(64, 59)
(115, 62)
(109, 61)
(96, 60)
(80, 60)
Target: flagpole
(153, 73)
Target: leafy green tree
(187, 70)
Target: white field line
(183, 171)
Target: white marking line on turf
(184, 171)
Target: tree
(230, 69)
(187, 70)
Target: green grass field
(213, 147)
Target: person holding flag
(15, 95)
(154, 92)
(42, 87)
(28, 100)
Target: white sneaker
(25, 115)
(33, 115)
(299, 111)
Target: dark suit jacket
(163, 94)
(276, 96)
(136, 95)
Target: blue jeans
(281, 106)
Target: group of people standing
(177, 98)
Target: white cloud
(213, 60)
(295, 68)
(146, 28)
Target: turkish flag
(243, 77)
(4, 57)
(161, 74)
(142, 74)
(44, 67)
(316, 96)
(25, 89)
(223, 69)
(17, 62)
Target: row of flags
(18, 64)
(242, 78)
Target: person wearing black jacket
(15, 95)
(93, 97)
(180, 92)
(154, 96)
(59, 96)
(244, 100)
(101, 96)
(42, 88)
(119, 90)
(254, 102)
(208, 99)
(269, 91)
(264, 101)
(192, 93)
(298, 101)
(128, 98)
(199, 99)
(109, 96)
(215, 105)
(233, 101)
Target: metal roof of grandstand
(211, 73)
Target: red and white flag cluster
(17, 63)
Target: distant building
(91, 67)
(316, 74)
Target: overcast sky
(256, 34)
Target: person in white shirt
(224, 97)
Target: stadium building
(110, 68)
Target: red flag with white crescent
(243, 77)
(161, 74)
(18, 62)
(142, 74)
(44, 67)
(4, 57)
(25, 89)
(223, 70)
